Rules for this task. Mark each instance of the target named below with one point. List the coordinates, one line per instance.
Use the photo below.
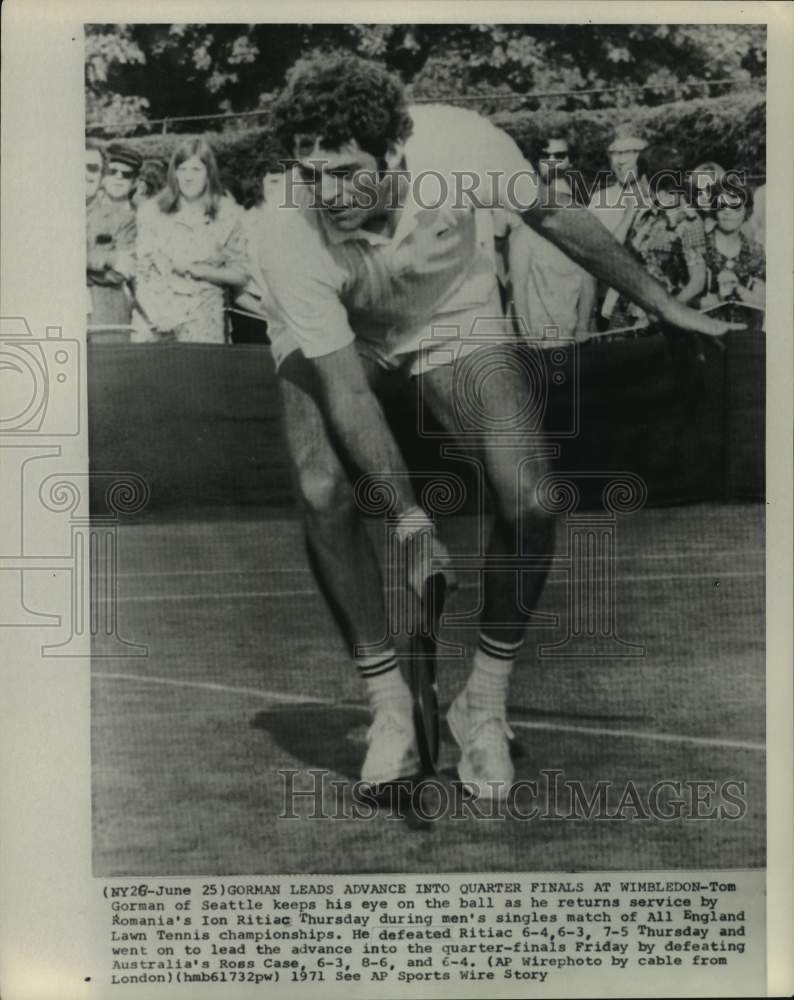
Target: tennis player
(381, 254)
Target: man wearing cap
(607, 204)
(111, 234)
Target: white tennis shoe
(392, 752)
(485, 768)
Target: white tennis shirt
(331, 287)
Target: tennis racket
(422, 674)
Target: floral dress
(666, 249)
(748, 265)
(190, 308)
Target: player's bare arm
(585, 240)
(361, 431)
(359, 424)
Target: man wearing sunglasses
(111, 233)
(555, 163)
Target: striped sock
(486, 689)
(383, 680)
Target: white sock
(487, 686)
(384, 681)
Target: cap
(118, 153)
(627, 139)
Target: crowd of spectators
(166, 245)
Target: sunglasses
(93, 168)
(125, 172)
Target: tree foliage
(155, 71)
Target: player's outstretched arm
(359, 424)
(360, 429)
(582, 237)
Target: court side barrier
(201, 422)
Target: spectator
(703, 179)
(553, 297)
(670, 244)
(607, 204)
(111, 232)
(735, 263)
(755, 226)
(151, 181)
(191, 248)
(555, 161)
(94, 164)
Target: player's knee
(323, 492)
(519, 503)
(534, 519)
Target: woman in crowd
(191, 249)
(735, 263)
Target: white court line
(222, 595)
(297, 699)
(736, 554)
(641, 734)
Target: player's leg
(504, 450)
(348, 571)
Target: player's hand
(692, 321)
(423, 556)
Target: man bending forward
(386, 243)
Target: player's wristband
(411, 522)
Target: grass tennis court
(246, 675)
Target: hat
(118, 153)
(626, 139)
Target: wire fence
(692, 88)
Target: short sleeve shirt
(555, 285)
(332, 286)
(607, 206)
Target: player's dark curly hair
(339, 97)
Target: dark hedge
(729, 129)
